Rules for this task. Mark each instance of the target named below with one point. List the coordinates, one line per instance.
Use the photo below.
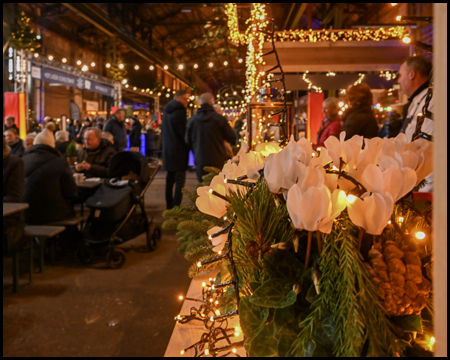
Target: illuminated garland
(310, 84)
(397, 32)
(233, 25)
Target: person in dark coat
(205, 133)
(87, 123)
(135, 134)
(75, 130)
(70, 127)
(100, 122)
(93, 160)
(359, 118)
(49, 183)
(175, 151)
(10, 124)
(62, 142)
(13, 184)
(14, 142)
(117, 128)
(331, 124)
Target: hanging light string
(396, 32)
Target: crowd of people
(36, 170)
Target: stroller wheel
(115, 258)
(84, 255)
(153, 237)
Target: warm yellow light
(135, 88)
(210, 64)
(210, 191)
(93, 64)
(108, 65)
(341, 104)
(389, 108)
(64, 60)
(234, 351)
(180, 67)
(211, 318)
(124, 81)
(203, 284)
(182, 352)
(389, 222)
(206, 352)
(195, 66)
(420, 235)
(136, 67)
(351, 199)
(180, 297)
(216, 302)
(199, 264)
(84, 68)
(340, 112)
(79, 62)
(127, 86)
(50, 57)
(36, 55)
(220, 253)
(152, 67)
(240, 61)
(121, 66)
(225, 63)
(211, 300)
(165, 67)
(406, 40)
(393, 4)
(398, 18)
(236, 334)
(217, 312)
(400, 219)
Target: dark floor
(72, 310)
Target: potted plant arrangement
(71, 153)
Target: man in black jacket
(93, 160)
(117, 128)
(205, 134)
(14, 142)
(175, 151)
(135, 134)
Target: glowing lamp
(420, 235)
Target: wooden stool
(44, 233)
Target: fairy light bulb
(206, 352)
(406, 40)
(93, 64)
(108, 65)
(351, 199)
(199, 264)
(210, 191)
(210, 64)
(50, 57)
(121, 66)
(165, 67)
(180, 67)
(136, 67)
(398, 18)
(36, 55)
(234, 351)
(152, 67)
(203, 284)
(240, 61)
(182, 352)
(211, 318)
(225, 63)
(180, 297)
(217, 312)
(420, 235)
(195, 66)
(400, 219)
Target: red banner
(14, 105)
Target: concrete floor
(73, 310)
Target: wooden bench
(43, 234)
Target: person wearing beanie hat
(49, 183)
(45, 138)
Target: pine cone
(398, 277)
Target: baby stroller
(117, 211)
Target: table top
(90, 184)
(184, 335)
(12, 208)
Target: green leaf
(265, 343)
(311, 295)
(409, 323)
(251, 317)
(225, 271)
(228, 301)
(286, 329)
(283, 265)
(273, 294)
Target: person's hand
(79, 167)
(85, 165)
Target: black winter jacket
(17, 148)
(135, 134)
(206, 131)
(119, 131)
(13, 178)
(98, 158)
(49, 186)
(175, 151)
(360, 120)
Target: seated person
(93, 160)
(62, 141)
(29, 140)
(13, 183)
(49, 183)
(14, 142)
(108, 136)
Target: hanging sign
(59, 77)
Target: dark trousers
(177, 178)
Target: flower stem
(360, 237)
(319, 241)
(308, 250)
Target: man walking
(205, 134)
(117, 128)
(175, 151)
